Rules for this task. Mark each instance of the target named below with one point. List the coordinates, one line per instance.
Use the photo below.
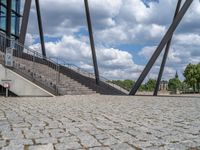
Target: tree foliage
(174, 84)
(126, 84)
(150, 85)
(192, 76)
(198, 76)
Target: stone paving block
(20, 129)
(68, 139)
(100, 148)
(87, 140)
(52, 125)
(175, 146)
(122, 146)
(155, 148)
(21, 142)
(189, 143)
(102, 136)
(194, 148)
(39, 128)
(46, 140)
(34, 134)
(69, 145)
(21, 125)
(141, 144)
(58, 133)
(13, 147)
(5, 127)
(42, 147)
(2, 143)
(4, 121)
(38, 124)
(72, 128)
(12, 135)
(109, 141)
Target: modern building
(10, 21)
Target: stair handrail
(87, 73)
(74, 67)
(29, 50)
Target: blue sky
(126, 34)
(147, 2)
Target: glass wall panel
(2, 18)
(4, 1)
(15, 20)
(14, 5)
(13, 23)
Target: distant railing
(53, 64)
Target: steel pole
(162, 44)
(89, 23)
(25, 18)
(8, 20)
(166, 53)
(37, 4)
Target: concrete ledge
(21, 86)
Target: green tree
(198, 76)
(184, 86)
(191, 75)
(142, 88)
(150, 85)
(174, 84)
(126, 84)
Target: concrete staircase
(46, 75)
(66, 81)
(57, 79)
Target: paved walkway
(100, 123)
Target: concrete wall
(19, 85)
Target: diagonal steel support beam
(23, 31)
(37, 4)
(24, 26)
(89, 23)
(8, 20)
(162, 44)
(166, 53)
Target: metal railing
(23, 53)
(86, 73)
(26, 60)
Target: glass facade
(15, 20)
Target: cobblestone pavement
(100, 123)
